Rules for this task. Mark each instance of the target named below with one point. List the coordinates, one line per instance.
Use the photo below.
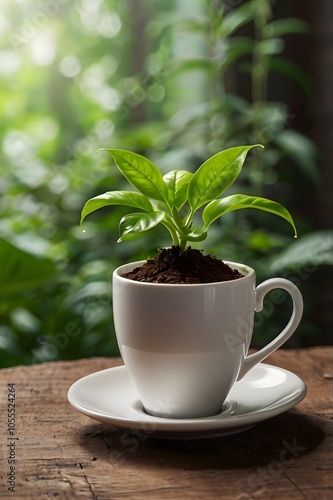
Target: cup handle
(261, 291)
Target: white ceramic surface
(186, 345)
(109, 396)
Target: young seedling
(173, 199)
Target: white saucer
(109, 396)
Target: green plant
(241, 58)
(173, 199)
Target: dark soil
(189, 267)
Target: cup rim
(129, 266)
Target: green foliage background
(154, 77)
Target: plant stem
(177, 220)
(167, 222)
(182, 245)
(217, 86)
(259, 77)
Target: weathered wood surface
(61, 454)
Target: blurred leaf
(236, 18)
(174, 22)
(23, 320)
(31, 243)
(190, 114)
(238, 47)
(291, 71)
(314, 249)
(303, 152)
(235, 103)
(89, 292)
(8, 341)
(179, 65)
(193, 25)
(270, 47)
(264, 241)
(281, 27)
(22, 270)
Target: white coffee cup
(184, 346)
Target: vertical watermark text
(11, 437)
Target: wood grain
(62, 454)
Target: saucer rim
(213, 426)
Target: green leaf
(179, 65)
(174, 22)
(193, 25)
(216, 175)
(237, 47)
(127, 198)
(196, 235)
(292, 71)
(303, 152)
(236, 18)
(141, 173)
(23, 268)
(217, 208)
(270, 47)
(177, 183)
(138, 223)
(282, 27)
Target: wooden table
(62, 454)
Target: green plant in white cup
(185, 344)
(174, 199)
